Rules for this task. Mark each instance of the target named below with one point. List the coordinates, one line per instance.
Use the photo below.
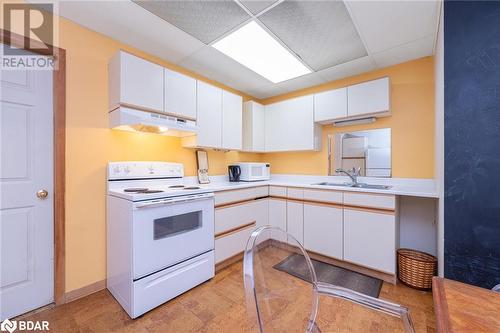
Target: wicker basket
(416, 268)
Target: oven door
(169, 231)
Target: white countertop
(400, 186)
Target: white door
(232, 108)
(209, 118)
(26, 221)
(180, 94)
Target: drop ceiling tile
(256, 6)
(320, 32)
(204, 20)
(304, 81)
(417, 49)
(140, 29)
(347, 69)
(386, 24)
(215, 65)
(267, 91)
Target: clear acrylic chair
(279, 302)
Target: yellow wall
(91, 145)
(412, 123)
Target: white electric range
(160, 234)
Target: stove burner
(151, 191)
(192, 188)
(176, 186)
(135, 189)
(141, 190)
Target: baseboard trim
(73, 295)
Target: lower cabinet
(323, 232)
(370, 239)
(295, 220)
(235, 223)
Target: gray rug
(296, 265)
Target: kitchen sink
(358, 185)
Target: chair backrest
(278, 301)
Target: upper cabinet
(369, 97)
(209, 118)
(219, 119)
(232, 106)
(330, 105)
(290, 125)
(180, 94)
(135, 82)
(254, 127)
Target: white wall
(417, 228)
(439, 137)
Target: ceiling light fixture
(255, 48)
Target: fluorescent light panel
(255, 48)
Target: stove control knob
(126, 169)
(116, 169)
(151, 169)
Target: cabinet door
(141, 83)
(323, 230)
(290, 125)
(277, 216)
(368, 97)
(261, 212)
(209, 119)
(295, 220)
(330, 105)
(370, 239)
(180, 94)
(232, 107)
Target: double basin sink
(357, 185)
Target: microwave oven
(251, 171)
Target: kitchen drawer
(323, 196)
(231, 244)
(158, 288)
(232, 217)
(382, 201)
(261, 191)
(277, 191)
(225, 197)
(295, 193)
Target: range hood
(133, 120)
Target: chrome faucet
(353, 174)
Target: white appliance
(378, 162)
(253, 171)
(160, 234)
(133, 120)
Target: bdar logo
(9, 326)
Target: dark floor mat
(296, 265)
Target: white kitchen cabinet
(135, 82)
(232, 106)
(254, 127)
(370, 239)
(290, 125)
(330, 105)
(323, 229)
(277, 216)
(209, 118)
(369, 98)
(180, 94)
(295, 219)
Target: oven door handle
(172, 201)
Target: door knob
(42, 194)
